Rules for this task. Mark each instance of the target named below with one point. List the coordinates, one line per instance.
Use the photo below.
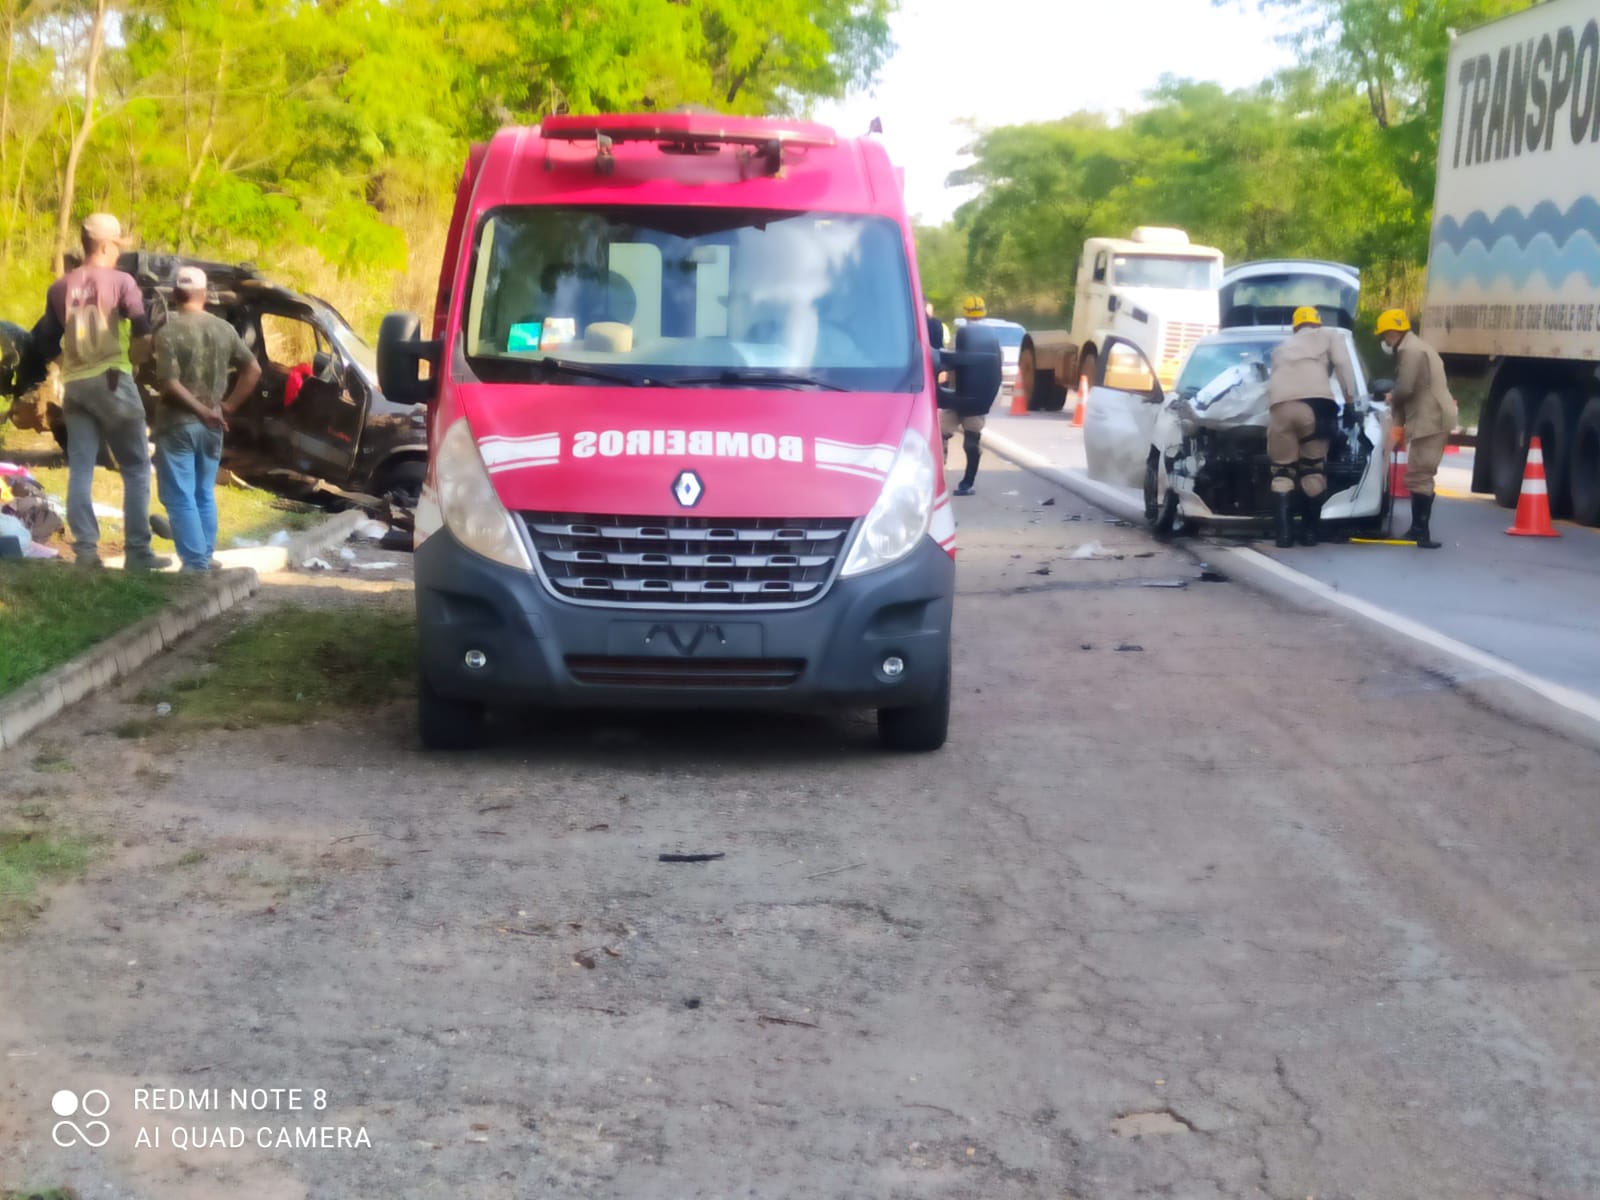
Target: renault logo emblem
(688, 488)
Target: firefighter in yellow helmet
(969, 423)
(1302, 420)
(1420, 402)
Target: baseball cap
(191, 279)
(102, 227)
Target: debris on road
(1047, 502)
(690, 858)
(1040, 571)
(1090, 550)
(1139, 1124)
(836, 870)
(316, 564)
(763, 1019)
(1127, 646)
(1165, 583)
(1209, 574)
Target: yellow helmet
(1393, 320)
(972, 308)
(1306, 315)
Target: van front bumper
(538, 648)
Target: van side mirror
(975, 364)
(401, 353)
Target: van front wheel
(445, 723)
(917, 728)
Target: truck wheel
(1552, 425)
(445, 723)
(1028, 377)
(1585, 460)
(920, 727)
(1508, 447)
(1087, 363)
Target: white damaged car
(1200, 452)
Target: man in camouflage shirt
(194, 352)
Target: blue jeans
(187, 457)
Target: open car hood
(1268, 292)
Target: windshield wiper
(756, 375)
(562, 366)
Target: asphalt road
(1203, 899)
(1530, 601)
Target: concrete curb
(1489, 680)
(119, 655)
(330, 533)
(269, 560)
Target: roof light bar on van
(708, 129)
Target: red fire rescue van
(683, 441)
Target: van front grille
(652, 562)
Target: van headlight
(467, 500)
(900, 517)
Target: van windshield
(701, 296)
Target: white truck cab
(1155, 289)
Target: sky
(1006, 62)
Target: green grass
(295, 665)
(28, 856)
(51, 611)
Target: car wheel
(1161, 511)
(403, 480)
(917, 728)
(445, 723)
(1508, 447)
(1585, 459)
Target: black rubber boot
(1421, 515)
(969, 443)
(1282, 529)
(1310, 520)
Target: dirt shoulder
(1192, 868)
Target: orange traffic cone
(1082, 405)
(1019, 399)
(1397, 468)
(1533, 506)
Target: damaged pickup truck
(318, 421)
(1200, 452)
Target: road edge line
(1512, 691)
